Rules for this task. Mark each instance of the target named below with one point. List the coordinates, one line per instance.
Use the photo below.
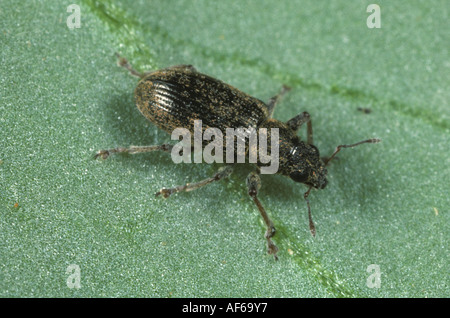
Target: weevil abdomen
(175, 97)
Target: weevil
(177, 96)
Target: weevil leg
(123, 62)
(312, 227)
(186, 67)
(222, 173)
(275, 99)
(296, 122)
(133, 150)
(253, 185)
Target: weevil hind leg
(222, 173)
(273, 102)
(123, 62)
(133, 150)
(253, 185)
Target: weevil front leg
(276, 99)
(133, 150)
(296, 122)
(253, 185)
(222, 173)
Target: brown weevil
(177, 96)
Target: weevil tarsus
(123, 62)
(253, 185)
(133, 150)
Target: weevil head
(297, 159)
(305, 165)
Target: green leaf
(63, 98)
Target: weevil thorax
(297, 159)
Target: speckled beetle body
(177, 96)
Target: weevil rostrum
(177, 96)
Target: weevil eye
(315, 149)
(298, 176)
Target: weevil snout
(323, 183)
(311, 177)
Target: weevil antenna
(338, 148)
(312, 227)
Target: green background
(63, 97)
